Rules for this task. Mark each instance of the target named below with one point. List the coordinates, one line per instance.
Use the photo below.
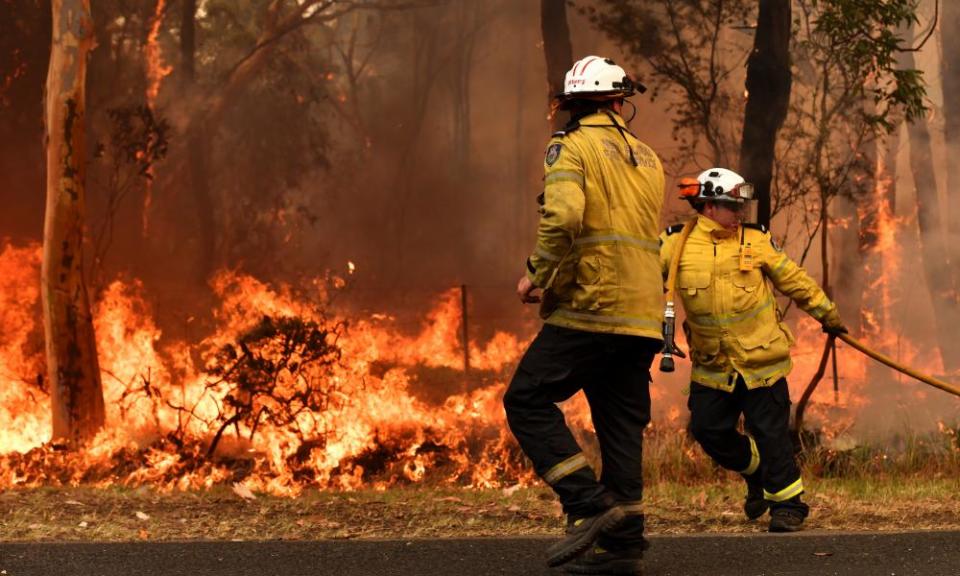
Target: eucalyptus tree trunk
(933, 244)
(198, 144)
(467, 19)
(768, 87)
(188, 39)
(72, 366)
(950, 74)
(557, 49)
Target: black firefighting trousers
(614, 372)
(766, 453)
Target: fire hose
(863, 348)
(670, 348)
(899, 367)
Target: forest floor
(222, 513)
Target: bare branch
(928, 33)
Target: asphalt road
(806, 554)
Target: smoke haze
(408, 143)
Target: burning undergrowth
(282, 395)
(288, 392)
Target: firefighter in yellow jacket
(739, 347)
(596, 272)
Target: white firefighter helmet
(716, 185)
(598, 78)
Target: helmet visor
(742, 191)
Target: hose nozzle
(666, 362)
(669, 345)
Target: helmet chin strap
(634, 106)
(633, 159)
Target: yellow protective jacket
(733, 324)
(597, 242)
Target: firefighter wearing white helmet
(717, 185)
(739, 348)
(595, 271)
(597, 78)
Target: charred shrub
(274, 373)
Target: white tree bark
(72, 366)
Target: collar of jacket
(600, 118)
(715, 230)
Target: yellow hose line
(900, 367)
(675, 261)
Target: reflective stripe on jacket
(597, 242)
(732, 318)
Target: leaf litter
(226, 513)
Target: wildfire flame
(156, 72)
(163, 406)
(156, 69)
(19, 356)
(286, 393)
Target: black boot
(788, 516)
(754, 506)
(581, 533)
(599, 560)
(786, 520)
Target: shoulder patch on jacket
(553, 153)
(674, 229)
(754, 226)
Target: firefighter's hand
(833, 324)
(529, 294)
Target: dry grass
(119, 514)
(910, 483)
(836, 504)
(131, 514)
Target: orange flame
(156, 72)
(156, 69)
(382, 423)
(377, 431)
(21, 351)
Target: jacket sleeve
(792, 280)
(561, 211)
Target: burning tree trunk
(72, 366)
(874, 216)
(557, 50)
(768, 89)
